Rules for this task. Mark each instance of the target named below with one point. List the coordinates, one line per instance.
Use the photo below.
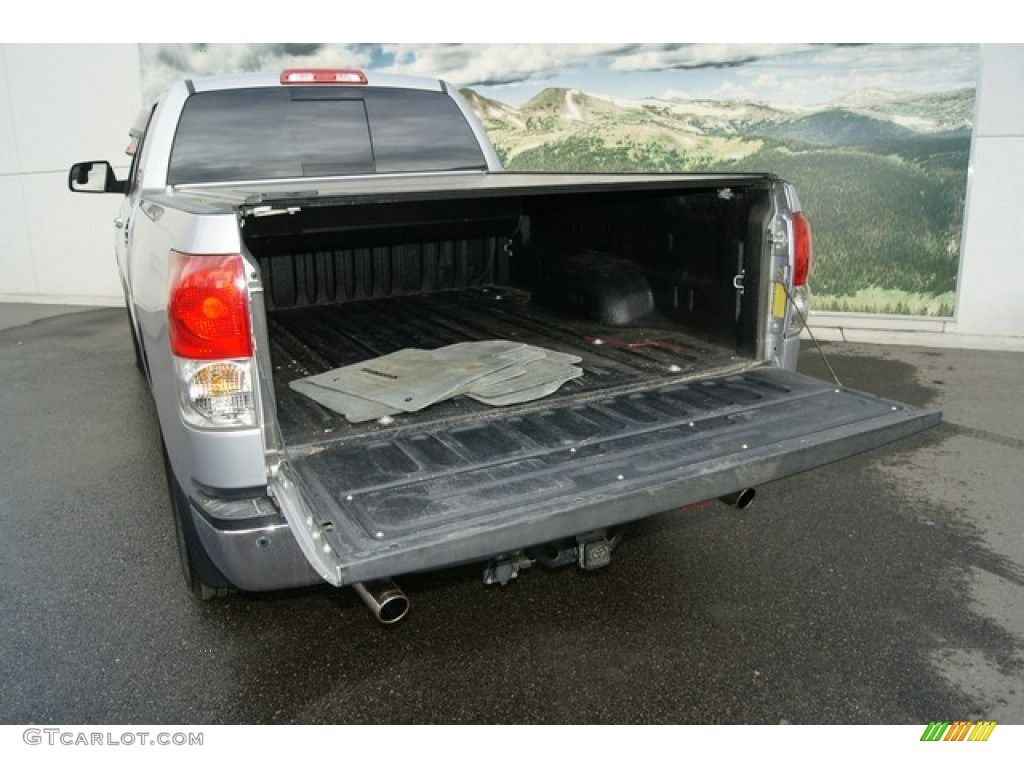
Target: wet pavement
(888, 588)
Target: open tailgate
(426, 496)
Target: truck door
(126, 214)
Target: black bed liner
(312, 340)
(461, 481)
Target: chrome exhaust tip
(385, 600)
(740, 499)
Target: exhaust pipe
(388, 603)
(740, 499)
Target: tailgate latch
(737, 281)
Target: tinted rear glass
(291, 132)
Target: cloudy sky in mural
(798, 74)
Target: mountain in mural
(835, 127)
(882, 176)
(714, 127)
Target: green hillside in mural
(882, 177)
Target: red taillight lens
(208, 312)
(318, 76)
(803, 249)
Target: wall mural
(875, 137)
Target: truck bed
(312, 340)
(450, 491)
(460, 481)
(679, 403)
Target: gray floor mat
(411, 379)
(355, 409)
(497, 372)
(535, 374)
(497, 397)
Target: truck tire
(203, 579)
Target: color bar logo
(960, 730)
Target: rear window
(291, 132)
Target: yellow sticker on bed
(779, 301)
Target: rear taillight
(800, 295)
(323, 76)
(209, 330)
(803, 249)
(208, 309)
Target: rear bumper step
(451, 493)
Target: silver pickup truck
(282, 231)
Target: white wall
(990, 299)
(60, 104)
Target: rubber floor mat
(497, 372)
(356, 409)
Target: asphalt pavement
(888, 588)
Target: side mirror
(96, 177)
